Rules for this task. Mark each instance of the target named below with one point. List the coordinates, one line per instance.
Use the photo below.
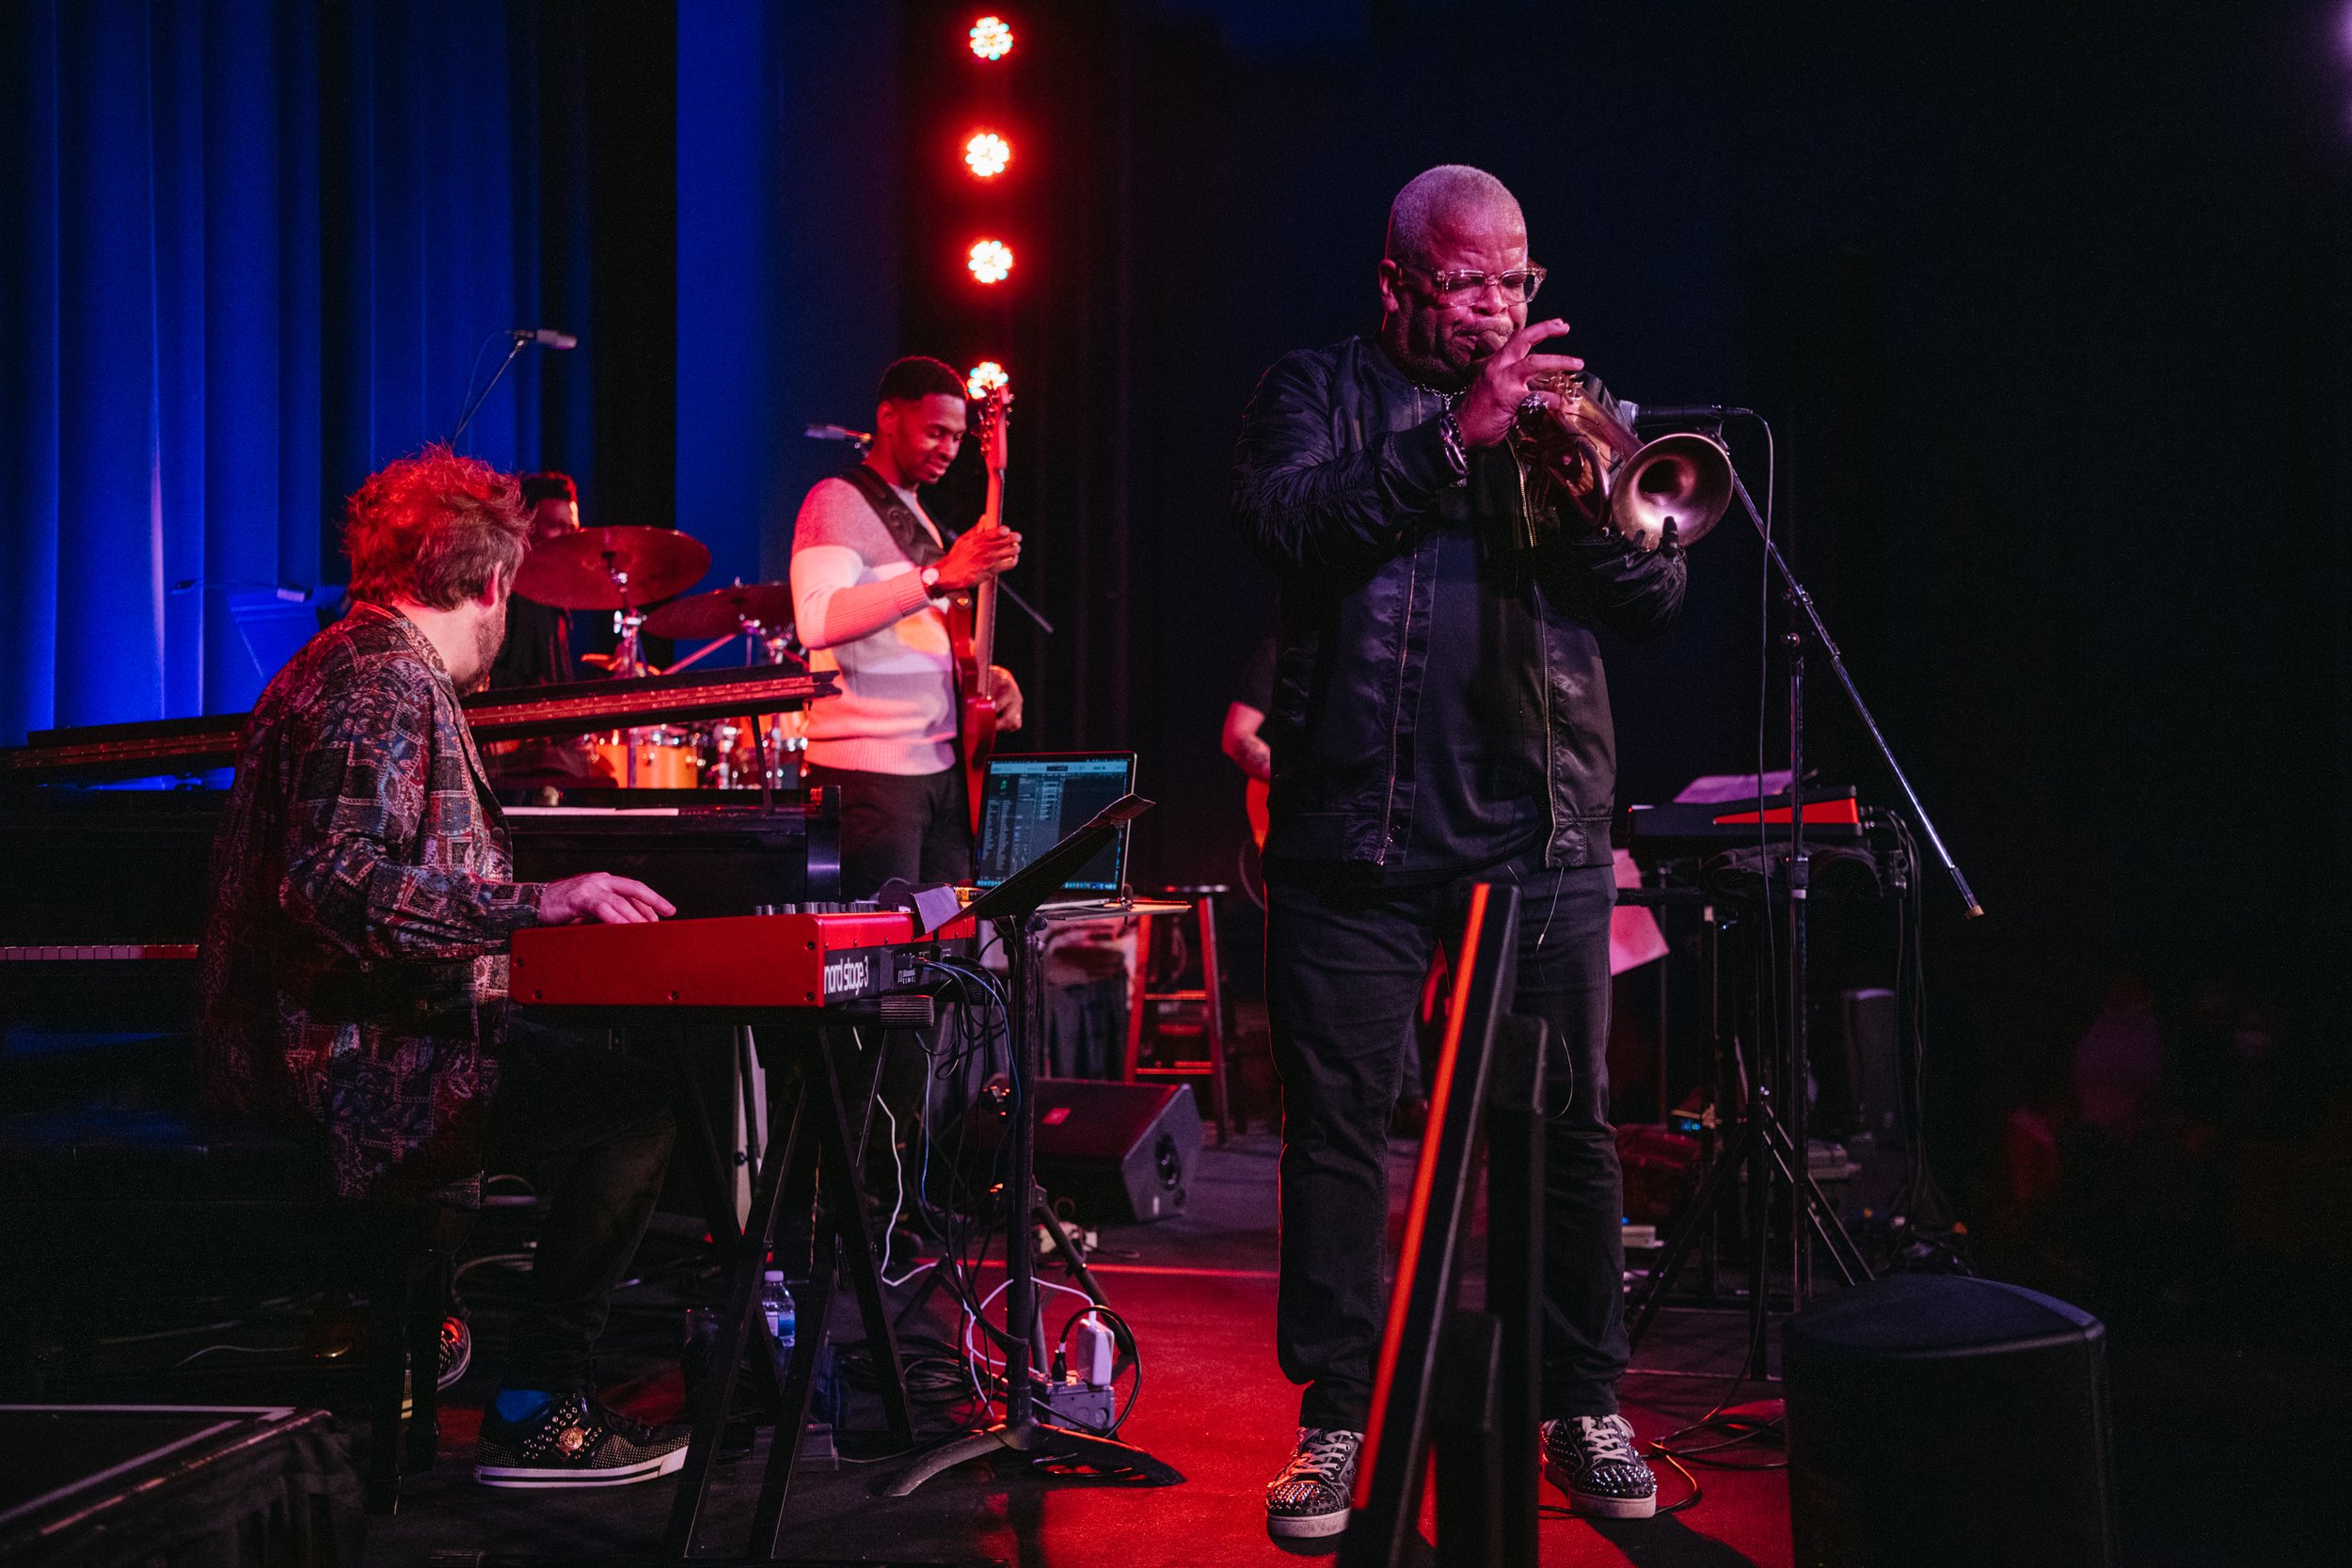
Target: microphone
(1684, 413)
(523, 336)
(836, 433)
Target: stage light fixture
(985, 378)
(991, 260)
(986, 154)
(991, 39)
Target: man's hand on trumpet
(1493, 398)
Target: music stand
(1465, 1382)
(1014, 907)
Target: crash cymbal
(722, 612)
(611, 568)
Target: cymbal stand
(628, 655)
(752, 640)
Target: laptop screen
(1030, 803)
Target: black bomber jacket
(1340, 470)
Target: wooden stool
(1147, 1008)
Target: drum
(665, 759)
(734, 750)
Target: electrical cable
(966, 1223)
(1120, 1330)
(238, 1350)
(898, 1201)
(978, 1357)
(520, 1261)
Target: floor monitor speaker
(1118, 1153)
(1936, 1419)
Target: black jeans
(592, 1129)
(914, 826)
(1345, 966)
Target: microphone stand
(1025, 607)
(474, 407)
(1794, 593)
(1763, 1141)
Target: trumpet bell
(1684, 479)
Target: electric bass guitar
(972, 615)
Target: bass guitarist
(872, 581)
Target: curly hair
(434, 528)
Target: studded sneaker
(1310, 1497)
(576, 1441)
(1596, 1461)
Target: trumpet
(1588, 465)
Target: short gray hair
(1436, 196)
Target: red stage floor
(1199, 1291)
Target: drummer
(538, 649)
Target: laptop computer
(1029, 803)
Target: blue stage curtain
(249, 251)
(788, 258)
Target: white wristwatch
(930, 576)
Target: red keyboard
(753, 960)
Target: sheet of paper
(1710, 789)
(1634, 938)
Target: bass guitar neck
(971, 615)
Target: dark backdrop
(2045, 303)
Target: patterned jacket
(355, 951)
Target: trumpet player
(1440, 717)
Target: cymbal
(722, 612)
(611, 568)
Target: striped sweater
(860, 608)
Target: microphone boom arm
(1828, 644)
(475, 406)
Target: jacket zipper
(1396, 699)
(1543, 656)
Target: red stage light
(991, 260)
(986, 154)
(991, 39)
(985, 378)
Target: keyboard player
(355, 954)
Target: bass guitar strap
(906, 530)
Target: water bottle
(775, 1305)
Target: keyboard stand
(810, 1150)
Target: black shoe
(1597, 1462)
(576, 1441)
(1310, 1497)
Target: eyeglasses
(1518, 286)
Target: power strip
(1071, 1404)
